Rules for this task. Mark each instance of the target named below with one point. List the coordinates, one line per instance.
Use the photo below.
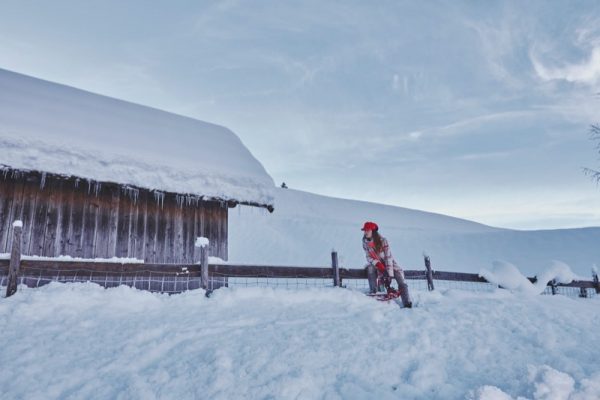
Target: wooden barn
(96, 177)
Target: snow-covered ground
(79, 341)
(305, 227)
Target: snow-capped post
(428, 272)
(15, 259)
(336, 269)
(202, 245)
(553, 285)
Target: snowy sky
(478, 110)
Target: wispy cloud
(469, 126)
(484, 155)
(500, 40)
(586, 71)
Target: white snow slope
(79, 341)
(305, 227)
(54, 128)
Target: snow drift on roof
(54, 128)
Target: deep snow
(74, 341)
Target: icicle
(89, 182)
(132, 192)
(159, 197)
(76, 182)
(43, 181)
(97, 188)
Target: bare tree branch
(594, 135)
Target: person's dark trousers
(402, 286)
(372, 277)
(403, 289)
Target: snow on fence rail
(176, 278)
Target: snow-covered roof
(54, 128)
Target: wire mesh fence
(170, 283)
(288, 283)
(570, 291)
(466, 286)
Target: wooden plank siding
(29, 198)
(6, 191)
(15, 210)
(69, 216)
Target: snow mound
(490, 393)
(509, 277)
(558, 271)
(546, 383)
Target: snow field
(82, 341)
(305, 227)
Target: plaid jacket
(385, 255)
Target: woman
(379, 258)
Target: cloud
(478, 125)
(586, 72)
(484, 155)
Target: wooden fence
(181, 277)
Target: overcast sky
(479, 110)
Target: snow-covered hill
(305, 228)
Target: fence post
(15, 260)
(336, 269)
(204, 269)
(202, 245)
(583, 292)
(596, 282)
(552, 285)
(428, 273)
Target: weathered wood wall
(69, 216)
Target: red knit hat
(370, 226)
